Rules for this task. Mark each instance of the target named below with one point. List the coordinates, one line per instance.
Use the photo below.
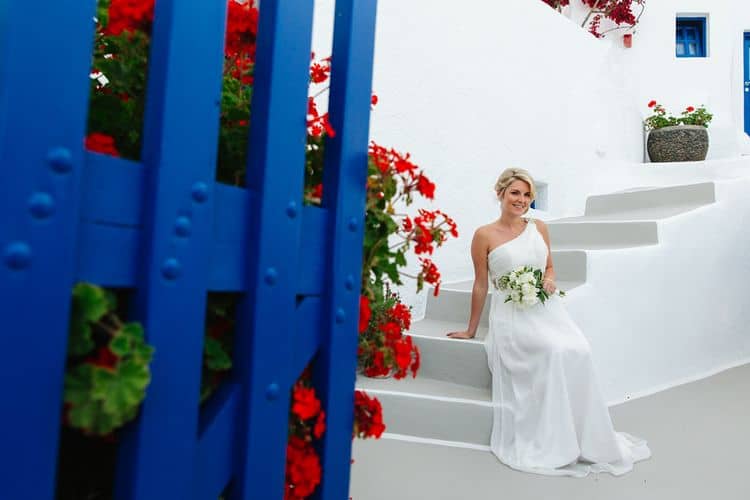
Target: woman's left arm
(549, 272)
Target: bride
(549, 414)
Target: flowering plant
(618, 12)
(107, 369)
(690, 116)
(306, 421)
(383, 348)
(524, 286)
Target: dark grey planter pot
(678, 143)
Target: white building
(658, 276)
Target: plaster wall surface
(472, 89)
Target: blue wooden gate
(163, 227)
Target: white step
(570, 266)
(457, 361)
(433, 409)
(585, 233)
(662, 202)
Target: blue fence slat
(43, 103)
(276, 173)
(306, 332)
(165, 228)
(107, 255)
(344, 178)
(179, 155)
(215, 448)
(112, 190)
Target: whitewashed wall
(715, 81)
(474, 88)
(470, 91)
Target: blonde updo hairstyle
(509, 176)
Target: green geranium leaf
(124, 389)
(120, 345)
(143, 353)
(216, 357)
(92, 301)
(400, 259)
(78, 384)
(80, 342)
(83, 415)
(133, 330)
(90, 304)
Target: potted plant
(681, 138)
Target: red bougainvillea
(621, 13)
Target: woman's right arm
(479, 290)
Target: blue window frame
(690, 36)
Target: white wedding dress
(549, 414)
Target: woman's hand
(461, 335)
(549, 286)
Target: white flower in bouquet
(528, 289)
(524, 286)
(527, 277)
(529, 300)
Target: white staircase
(450, 400)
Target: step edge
(437, 442)
(431, 397)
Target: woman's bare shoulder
(483, 232)
(540, 224)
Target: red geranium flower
(368, 416)
(302, 469)
(305, 404)
(690, 109)
(651, 104)
(101, 143)
(392, 330)
(364, 313)
(104, 358)
(320, 425)
(415, 365)
(130, 15)
(402, 314)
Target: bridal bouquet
(524, 286)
